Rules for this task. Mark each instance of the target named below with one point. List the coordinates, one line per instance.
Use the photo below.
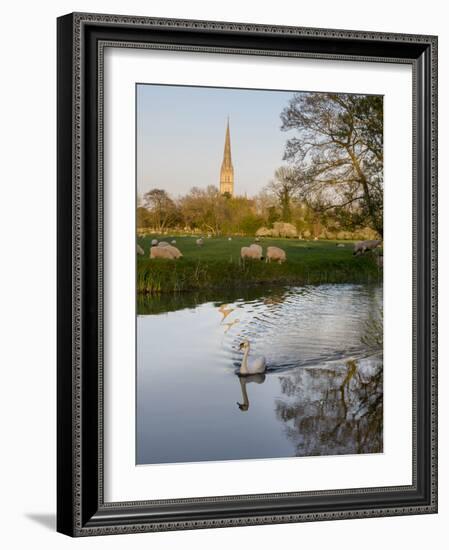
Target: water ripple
(304, 326)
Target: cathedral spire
(227, 170)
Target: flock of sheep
(165, 250)
(255, 252)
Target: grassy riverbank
(217, 264)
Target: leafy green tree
(273, 216)
(250, 224)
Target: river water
(321, 394)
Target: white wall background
(28, 282)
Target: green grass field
(217, 264)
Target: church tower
(227, 170)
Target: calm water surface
(321, 394)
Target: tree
(273, 216)
(241, 217)
(204, 209)
(284, 186)
(161, 208)
(143, 217)
(338, 154)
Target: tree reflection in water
(333, 410)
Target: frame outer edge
(65, 269)
(434, 272)
(77, 529)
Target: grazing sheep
(229, 238)
(163, 243)
(372, 245)
(176, 253)
(340, 245)
(173, 241)
(359, 248)
(154, 242)
(276, 254)
(258, 248)
(364, 246)
(251, 253)
(200, 241)
(140, 250)
(161, 252)
(209, 236)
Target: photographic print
(259, 273)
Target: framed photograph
(246, 274)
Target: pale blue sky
(181, 132)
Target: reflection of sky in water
(187, 391)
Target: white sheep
(229, 238)
(176, 253)
(276, 254)
(163, 243)
(200, 241)
(361, 247)
(250, 252)
(258, 248)
(340, 245)
(154, 242)
(140, 250)
(173, 241)
(372, 245)
(161, 252)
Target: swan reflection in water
(244, 380)
(230, 325)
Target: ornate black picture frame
(81, 510)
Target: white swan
(254, 366)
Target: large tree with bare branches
(337, 152)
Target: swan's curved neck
(244, 367)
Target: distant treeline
(206, 211)
(330, 187)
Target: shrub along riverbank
(217, 264)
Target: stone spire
(227, 170)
